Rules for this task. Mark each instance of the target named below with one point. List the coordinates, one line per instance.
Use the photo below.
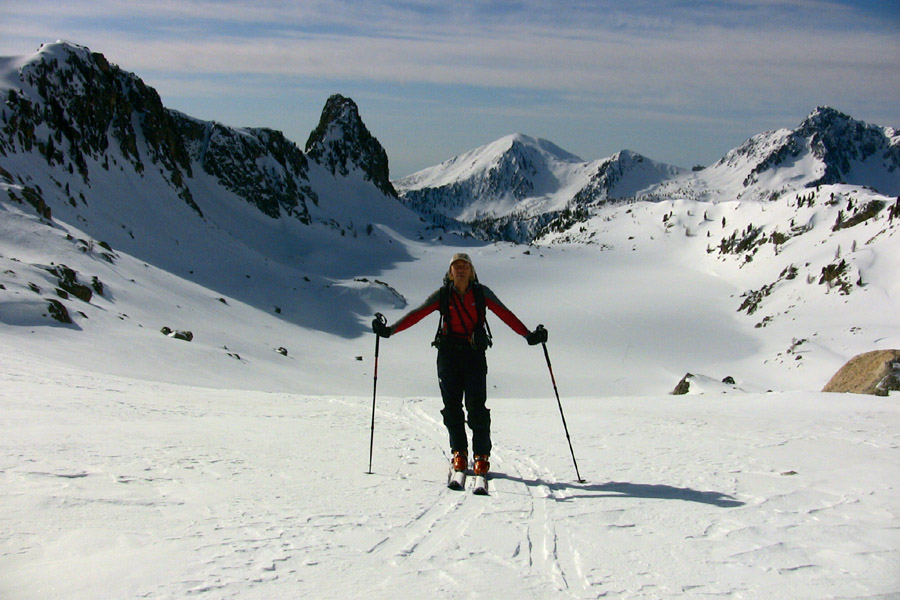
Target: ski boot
(458, 465)
(482, 465)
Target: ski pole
(383, 321)
(558, 402)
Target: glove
(538, 336)
(380, 327)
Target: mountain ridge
(828, 147)
(92, 150)
(71, 104)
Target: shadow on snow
(618, 489)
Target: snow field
(116, 487)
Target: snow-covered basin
(121, 488)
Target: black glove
(538, 336)
(380, 326)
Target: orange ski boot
(482, 464)
(458, 465)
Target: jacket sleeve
(431, 304)
(498, 308)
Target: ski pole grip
(381, 318)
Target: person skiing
(461, 340)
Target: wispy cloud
(693, 59)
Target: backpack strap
(481, 307)
(444, 312)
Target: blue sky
(680, 82)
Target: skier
(462, 339)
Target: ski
(481, 485)
(456, 480)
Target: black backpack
(481, 338)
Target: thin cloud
(706, 61)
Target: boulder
(68, 282)
(876, 372)
(684, 386)
(701, 384)
(58, 311)
(187, 336)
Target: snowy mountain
(74, 108)
(623, 175)
(86, 144)
(804, 200)
(828, 147)
(512, 187)
(493, 180)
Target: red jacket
(460, 324)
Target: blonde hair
(473, 276)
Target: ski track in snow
(512, 529)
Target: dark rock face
(95, 110)
(87, 103)
(342, 142)
(235, 157)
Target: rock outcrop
(876, 372)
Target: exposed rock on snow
(876, 372)
(58, 311)
(68, 283)
(187, 336)
(701, 384)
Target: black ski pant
(462, 373)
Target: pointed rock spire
(342, 142)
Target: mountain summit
(342, 142)
(73, 107)
(828, 147)
(514, 185)
(850, 150)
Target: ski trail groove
(514, 527)
(546, 552)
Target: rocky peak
(87, 103)
(342, 142)
(837, 141)
(85, 115)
